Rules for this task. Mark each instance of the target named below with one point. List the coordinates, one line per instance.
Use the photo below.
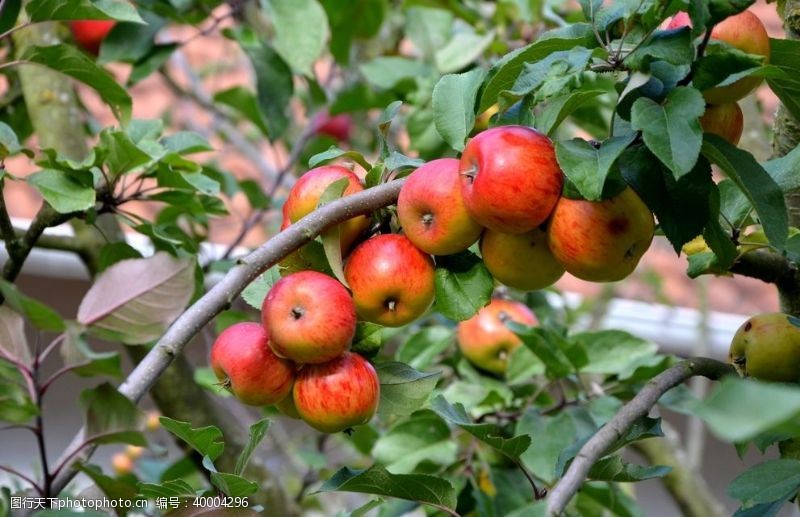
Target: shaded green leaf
(205, 440)
(463, 285)
(454, 98)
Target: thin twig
(636, 408)
(22, 476)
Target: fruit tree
(329, 240)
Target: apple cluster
(745, 32)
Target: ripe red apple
(307, 191)
(335, 126)
(89, 34)
(679, 21)
(392, 281)
(725, 120)
(432, 212)
(241, 358)
(522, 261)
(310, 316)
(485, 340)
(767, 347)
(333, 396)
(601, 241)
(510, 179)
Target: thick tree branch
(768, 267)
(45, 218)
(638, 407)
(224, 293)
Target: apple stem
(391, 304)
(470, 173)
(427, 219)
(298, 312)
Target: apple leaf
(561, 107)
(9, 143)
(170, 488)
(785, 55)
(257, 432)
(454, 98)
(463, 285)
(422, 437)
(551, 435)
(767, 482)
(257, 290)
(759, 187)
(547, 346)
(65, 191)
(333, 153)
(85, 362)
(229, 484)
(13, 341)
(611, 352)
(672, 131)
(294, 41)
(113, 488)
(420, 350)
(136, 300)
(46, 10)
(111, 417)
(723, 65)
(16, 405)
(368, 339)
(245, 104)
(72, 62)
(403, 389)
(205, 440)
(40, 315)
(430, 490)
(490, 434)
(10, 14)
(613, 468)
(331, 239)
(587, 166)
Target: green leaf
(155, 59)
(13, 341)
(16, 406)
(64, 191)
(186, 142)
(85, 362)
(772, 480)
(333, 153)
(114, 489)
(45, 10)
(111, 417)
(387, 72)
(136, 300)
(613, 468)
(9, 143)
(131, 42)
(735, 410)
(301, 29)
(715, 235)
(723, 65)
(245, 104)
(114, 252)
(123, 155)
(257, 433)
(549, 77)
(463, 285)
(672, 131)
(368, 339)
(759, 187)
(423, 437)
(352, 19)
(331, 241)
(40, 315)
(504, 73)
(229, 484)
(403, 389)
(598, 498)
(454, 98)
(674, 47)
(205, 440)
(489, 434)
(72, 62)
(611, 352)
(463, 49)
(420, 350)
(545, 344)
(785, 54)
(10, 14)
(430, 490)
(588, 166)
(257, 290)
(171, 488)
(560, 108)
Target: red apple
(333, 396)
(522, 261)
(307, 191)
(679, 21)
(89, 34)
(485, 340)
(242, 359)
(121, 463)
(392, 281)
(432, 212)
(310, 316)
(510, 179)
(335, 126)
(725, 120)
(601, 241)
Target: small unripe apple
(601, 241)
(392, 280)
(725, 120)
(305, 195)
(310, 316)
(485, 340)
(432, 212)
(121, 463)
(89, 34)
(134, 452)
(335, 126)
(336, 395)
(510, 179)
(242, 359)
(522, 261)
(767, 347)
